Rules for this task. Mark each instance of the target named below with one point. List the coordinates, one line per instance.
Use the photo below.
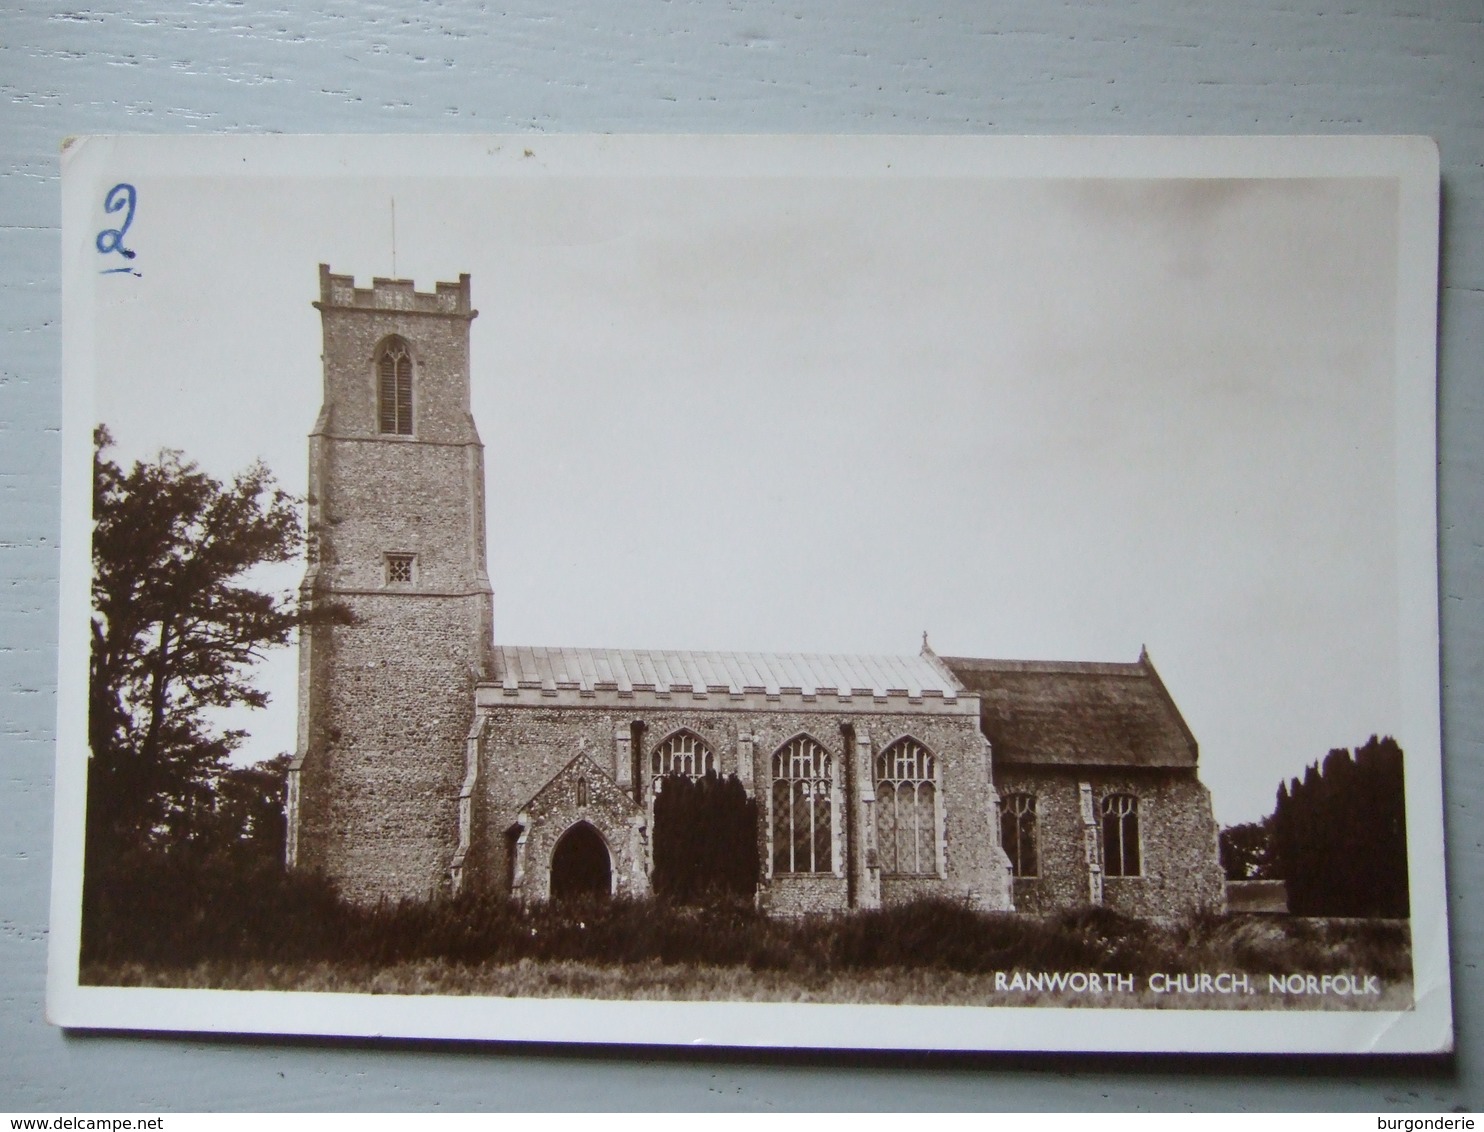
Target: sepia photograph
(849, 592)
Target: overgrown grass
(691, 982)
(266, 928)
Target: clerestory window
(906, 809)
(1120, 835)
(1018, 834)
(394, 388)
(803, 801)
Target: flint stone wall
(355, 527)
(557, 808)
(1180, 873)
(436, 330)
(379, 786)
(527, 744)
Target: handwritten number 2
(120, 198)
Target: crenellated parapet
(399, 295)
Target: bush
(170, 911)
(172, 916)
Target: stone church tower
(396, 521)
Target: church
(434, 760)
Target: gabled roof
(1060, 713)
(722, 672)
(585, 766)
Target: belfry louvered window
(906, 809)
(1120, 835)
(803, 827)
(394, 388)
(682, 753)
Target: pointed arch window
(682, 753)
(1120, 835)
(803, 808)
(1018, 833)
(394, 387)
(906, 809)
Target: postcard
(850, 592)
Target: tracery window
(803, 788)
(1018, 834)
(1120, 835)
(682, 753)
(906, 809)
(394, 388)
(399, 568)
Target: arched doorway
(580, 865)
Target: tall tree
(705, 838)
(1341, 834)
(176, 631)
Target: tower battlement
(399, 295)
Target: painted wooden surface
(933, 66)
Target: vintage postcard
(863, 592)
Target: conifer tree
(1340, 834)
(705, 838)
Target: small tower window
(394, 388)
(399, 569)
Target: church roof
(719, 672)
(1059, 713)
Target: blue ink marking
(120, 198)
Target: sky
(1037, 417)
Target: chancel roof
(1055, 713)
(671, 670)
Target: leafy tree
(176, 631)
(1248, 852)
(248, 823)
